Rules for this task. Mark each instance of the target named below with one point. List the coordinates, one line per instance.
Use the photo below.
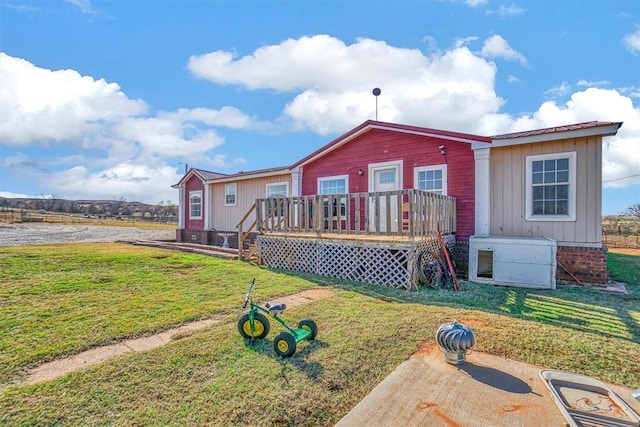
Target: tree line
(106, 208)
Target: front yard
(60, 300)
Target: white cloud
(558, 91)
(129, 180)
(320, 62)
(108, 138)
(158, 136)
(474, 3)
(593, 84)
(505, 11)
(40, 105)
(513, 79)
(431, 43)
(463, 41)
(497, 47)
(632, 42)
(621, 156)
(332, 82)
(84, 5)
(10, 195)
(226, 116)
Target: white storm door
(384, 177)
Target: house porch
(387, 238)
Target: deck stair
(215, 251)
(252, 253)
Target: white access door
(384, 177)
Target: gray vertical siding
(508, 192)
(225, 218)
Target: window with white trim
(230, 192)
(334, 185)
(195, 204)
(551, 183)
(278, 189)
(431, 178)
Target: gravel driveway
(40, 234)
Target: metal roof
(206, 175)
(203, 175)
(556, 129)
(250, 174)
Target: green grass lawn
(59, 300)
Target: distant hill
(107, 208)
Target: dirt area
(625, 251)
(42, 234)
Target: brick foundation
(589, 265)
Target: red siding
(378, 145)
(194, 184)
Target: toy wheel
(309, 325)
(260, 323)
(284, 344)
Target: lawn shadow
(584, 309)
(313, 370)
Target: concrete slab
(486, 391)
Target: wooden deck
(383, 238)
(392, 238)
(411, 213)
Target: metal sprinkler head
(455, 341)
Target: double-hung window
(230, 192)
(431, 178)
(334, 185)
(278, 190)
(551, 180)
(195, 204)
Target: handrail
(409, 212)
(242, 236)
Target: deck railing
(409, 213)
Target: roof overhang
(551, 134)
(242, 176)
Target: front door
(384, 177)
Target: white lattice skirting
(396, 265)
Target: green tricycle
(255, 324)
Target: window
(334, 185)
(387, 177)
(230, 191)
(551, 187)
(431, 178)
(279, 189)
(195, 204)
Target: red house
(359, 208)
(379, 157)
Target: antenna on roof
(376, 92)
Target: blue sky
(110, 99)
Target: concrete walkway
(57, 368)
(486, 391)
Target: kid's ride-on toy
(254, 324)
